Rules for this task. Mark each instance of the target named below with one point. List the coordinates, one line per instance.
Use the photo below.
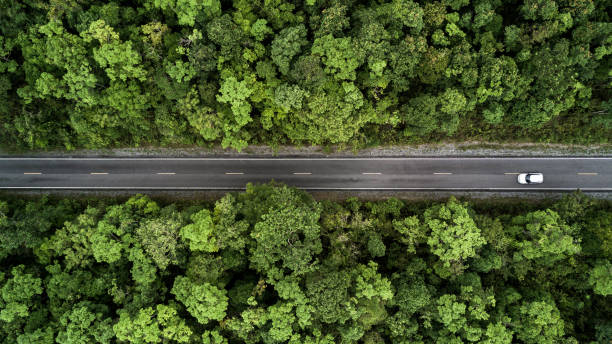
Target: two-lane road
(461, 173)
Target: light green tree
(454, 235)
(200, 234)
(600, 278)
(340, 56)
(204, 302)
(540, 322)
(153, 325)
(85, 323)
(19, 294)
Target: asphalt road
(486, 174)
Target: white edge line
(305, 188)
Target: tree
(25, 224)
(289, 97)
(205, 121)
(235, 93)
(454, 236)
(540, 322)
(272, 265)
(204, 302)
(187, 10)
(117, 58)
(339, 55)
(328, 293)
(19, 294)
(86, 323)
(546, 239)
(213, 337)
(159, 238)
(144, 271)
(313, 124)
(411, 295)
(231, 232)
(601, 278)
(497, 334)
(286, 45)
(412, 232)
(200, 234)
(451, 313)
(73, 241)
(332, 21)
(372, 291)
(287, 238)
(153, 325)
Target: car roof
(536, 177)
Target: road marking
(587, 173)
(236, 173)
(31, 173)
(166, 173)
(303, 173)
(372, 173)
(442, 173)
(99, 173)
(511, 173)
(305, 188)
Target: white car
(530, 178)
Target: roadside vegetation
(93, 74)
(271, 265)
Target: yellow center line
(32, 173)
(303, 173)
(587, 173)
(99, 173)
(234, 173)
(442, 173)
(372, 173)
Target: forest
(273, 265)
(93, 74)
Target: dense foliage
(183, 72)
(271, 265)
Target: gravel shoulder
(213, 195)
(442, 149)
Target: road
(485, 174)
